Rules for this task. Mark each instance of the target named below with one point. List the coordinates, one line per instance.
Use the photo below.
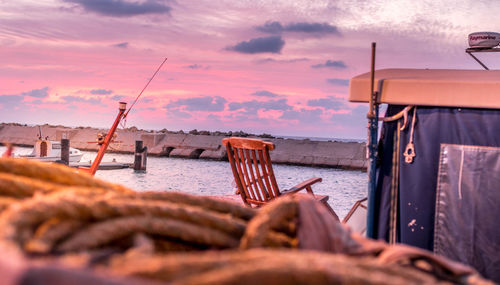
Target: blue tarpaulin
(416, 195)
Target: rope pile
(59, 211)
(58, 214)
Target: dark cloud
(121, 8)
(254, 105)
(322, 28)
(121, 45)
(301, 27)
(10, 100)
(264, 93)
(271, 27)
(338, 64)
(37, 93)
(329, 103)
(101, 92)
(272, 44)
(304, 116)
(338, 81)
(207, 103)
(75, 99)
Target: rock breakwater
(346, 155)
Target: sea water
(207, 177)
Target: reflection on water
(205, 177)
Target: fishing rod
(147, 84)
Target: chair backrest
(252, 169)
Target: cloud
(75, 99)
(36, 102)
(356, 118)
(10, 100)
(338, 64)
(271, 27)
(264, 93)
(195, 66)
(206, 104)
(121, 8)
(272, 44)
(254, 105)
(118, 97)
(37, 93)
(338, 81)
(301, 27)
(293, 60)
(329, 103)
(121, 45)
(178, 114)
(101, 92)
(304, 116)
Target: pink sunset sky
(280, 67)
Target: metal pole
(372, 149)
(478, 61)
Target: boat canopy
(431, 87)
(437, 166)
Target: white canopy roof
(431, 87)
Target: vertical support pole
(140, 157)
(65, 151)
(372, 151)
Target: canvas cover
(417, 183)
(468, 206)
(430, 87)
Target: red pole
(95, 165)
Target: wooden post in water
(141, 155)
(65, 151)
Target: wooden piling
(65, 151)
(141, 155)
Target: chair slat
(246, 176)
(267, 159)
(241, 174)
(255, 186)
(265, 175)
(263, 190)
(232, 161)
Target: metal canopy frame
(470, 51)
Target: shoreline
(305, 152)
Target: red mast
(104, 146)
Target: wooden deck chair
(254, 175)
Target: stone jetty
(346, 155)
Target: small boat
(46, 150)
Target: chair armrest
(304, 185)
